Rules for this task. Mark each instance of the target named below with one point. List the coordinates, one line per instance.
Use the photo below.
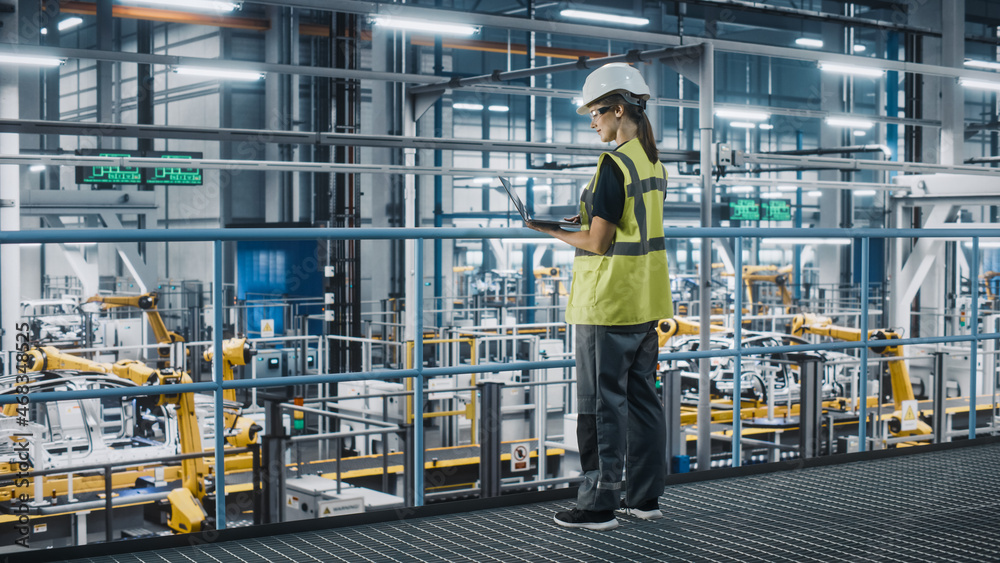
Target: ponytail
(638, 116)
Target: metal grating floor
(935, 506)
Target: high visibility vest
(630, 283)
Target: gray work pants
(620, 419)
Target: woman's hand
(542, 227)
(573, 219)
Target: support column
(10, 192)
(706, 118)
(952, 96)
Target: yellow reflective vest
(630, 283)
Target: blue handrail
(420, 373)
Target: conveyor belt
(935, 505)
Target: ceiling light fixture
(864, 192)
(473, 107)
(806, 42)
(499, 109)
(814, 193)
(744, 114)
(743, 124)
(979, 84)
(787, 188)
(220, 73)
(425, 26)
(765, 126)
(851, 69)
(37, 168)
(692, 190)
(741, 189)
(211, 6)
(859, 48)
(31, 60)
(850, 122)
(771, 195)
(991, 65)
(604, 18)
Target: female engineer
(620, 290)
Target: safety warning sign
(519, 457)
(267, 328)
(910, 414)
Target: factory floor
(939, 504)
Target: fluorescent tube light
(604, 18)
(37, 168)
(500, 109)
(979, 84)
(744, 114)
(69, 23)
(814, 193)
(787, 188)
(851, 69)
(850, 122)
(741, 189)
(743, 124)
(220, 73)
(788, 241)
(31, 60)
(425, 26)
(806, 42)
(991, 65)
(482, 180)
(474, 107)
(211, 6)
(692, 190)
(765, 126)
(859, 48)
(864, 192)
(982, 244)
(859, 133)
(771, 195)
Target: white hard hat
(612, 78)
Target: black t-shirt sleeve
(609, 195)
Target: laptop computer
(524, 212)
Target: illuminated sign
(108, 174)
(744, 210)
(776, 210)
(750, 209)
(175, 174)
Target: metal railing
(418, 236)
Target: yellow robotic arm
(667, 328)
(146, 302)
(235, 352)
(880, 343)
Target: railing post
(220, 425)
(974, 331)
(738, 360)
(939, 399)
(109, 516)
(810, 407)
(418, 384)
(490, 427)
(863, 368)
(670, 389)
